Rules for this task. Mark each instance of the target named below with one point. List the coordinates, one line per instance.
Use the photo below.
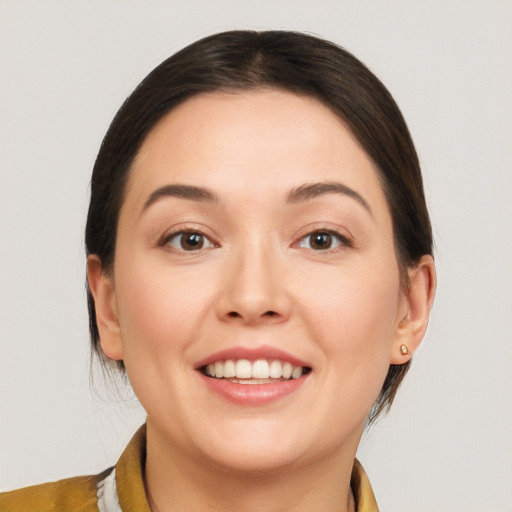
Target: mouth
(259, 371)
(273, 373)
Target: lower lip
(253, 394)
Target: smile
(260, 371)
(254, 376)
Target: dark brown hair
(248, 60)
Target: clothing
(121, 488)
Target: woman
(259, 262)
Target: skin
(342, 310)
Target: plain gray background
(65, 68)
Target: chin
(253, 459)
(259, 446)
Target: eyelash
(342, 241)
(334, 237)
(167, 239)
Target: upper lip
(252, 354)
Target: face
(255, 242)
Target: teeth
(251, 381)
(287, 370)
(297, 372)
(229, 369)
(276, 369)
(260, 371)
(219, 370)
(243, 369)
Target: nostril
(234, 314)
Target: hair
(238, 61)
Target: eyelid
(345, 240)
(177, 231)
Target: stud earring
(404, 349)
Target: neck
(191, 484)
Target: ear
(102, 287)
(417, 301)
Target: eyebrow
(300, 194)
(200, 194)
(310, 191)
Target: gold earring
(404, 349)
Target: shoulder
(76, 494)
(116, 488)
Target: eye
(188, 241)
(323, 241)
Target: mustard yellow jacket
(122, 488)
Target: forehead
(266, 140)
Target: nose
(253, 289)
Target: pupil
(192, 241)
(322, 241)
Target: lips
(271, 374)
(252, 354)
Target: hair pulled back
(238, 61)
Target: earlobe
(102, 288)
(418, 298)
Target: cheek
(161, 314)
(354, 316)
(160, 311)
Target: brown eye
(189, 241)
(323, 241)
(319, 241)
